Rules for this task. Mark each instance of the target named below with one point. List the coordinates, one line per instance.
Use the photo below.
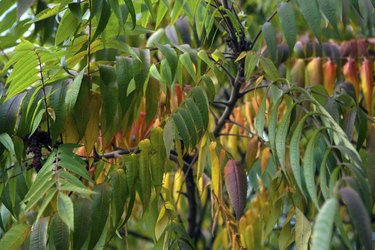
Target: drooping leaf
(269, 35)
(82, 222)
(38, 235)
(130, 7)
(73, 91)
(288, 23)
(144, 172)
(7, 142)
(15, 237)
(323, 227)
(65, 210)
(59, 233)
(100, 212)
(311, 12)
(236, 183)
(201, 100)
(269, 68)
(303, 231)
(329, 9)
(359, 216)
(251, 62)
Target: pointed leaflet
(269, 35)
(260, 119)
(100, 212)
(294, 152)
(72, 162)
(38, 236)
(201, 100)
(7, 142)
(322, 233)
(15, 237)
(251, 62)
(188, 120)
(73, 91)
(103, 19)
(303, 231)
(269, 68)
(8, 112)
(359, 215)
(215, 170)
(144, 172)
(119, 195)
(281, 134)
(193, 109)
(82, 222)
(67, 26)
(181, 129)
(59, 233)
(311, 12)
(288, 23)
(158, 157)
(65, 210)
(58, 104)
(185, 60)
(130, 7)
(236, 183)
(309, 167)
(329, 9)
(109, 90)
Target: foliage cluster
(187, 124)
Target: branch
(44, 90)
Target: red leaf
(236, 183)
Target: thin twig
(44, 91)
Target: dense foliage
(187, 124)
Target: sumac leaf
(235, 181)
(358, 215)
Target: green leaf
(182, 129)
(15, 237)
(58, 104)
(269, 68)
(359, 216)
(303, 231)
(322, 233)
(294, 151)
(73, 91)
(170, 54)
(46, 201)
(281, 134)
(251, 62)
(288, 23)
(39, 232)
(193, 109)
(65, 210)
(119, 195)
(329, 9)
(188, 120)
(269, 35)
(37, 120)
(130, 7)
(311, 12)
(82, 222)
(8, 112)
(69, 161)
(260, 119)
(6, 140)
(67, 27)
(59, 233)
(103, 21)
(162, 10)
(168, 135)
(100, 212)
(185, 60)
(109, 89)
(201, 100)
(309, 167)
